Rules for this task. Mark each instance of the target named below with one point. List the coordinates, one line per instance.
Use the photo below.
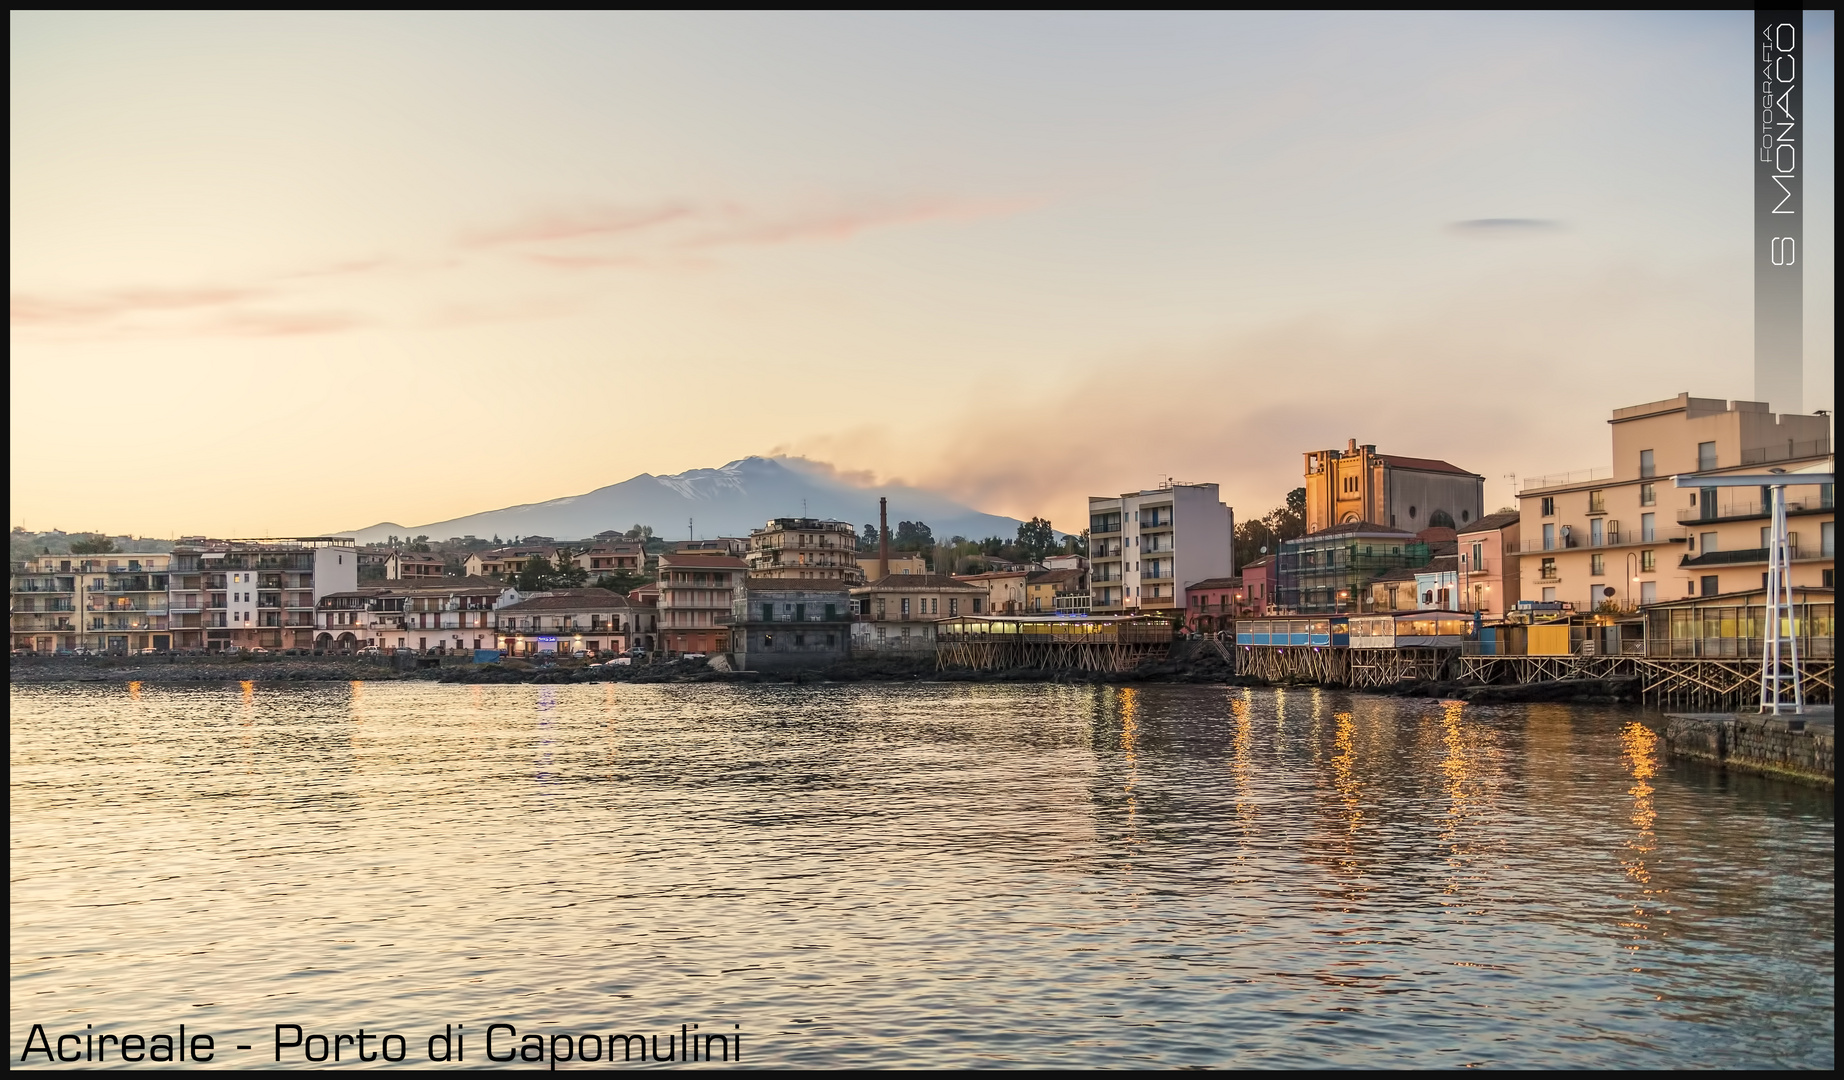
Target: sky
(283, 274)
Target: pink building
(1488, 571)
(1258, 586)
(1211, 604)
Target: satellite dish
(1608, 592)
(1264, 549)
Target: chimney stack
(883, 538)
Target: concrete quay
(1796, 747)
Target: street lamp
(1632, 565)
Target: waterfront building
(695, 597)
(1214, 604)
(1257, 586)
(1004, 589)
(412, 566)
(1488, 551)
(1437, 584)
(1146, 547)
(899, 612)
(1623, 537)
(595, 621)
(782, 622)
(806, 549)
(1393, 590)
(901, 562)
(255, 594)
(443, 616)
(1061, 589)
(1357, 484)
(736, 547)
(1331, 570)
(114, 603)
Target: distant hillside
(715, 502)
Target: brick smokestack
(883, 539)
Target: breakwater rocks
(182, 669)
(1800, 748)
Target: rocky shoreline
(1185, 666)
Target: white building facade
(1146, 547)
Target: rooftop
(918, 583)
(574, 600)
(700, 561)
(1492, 522)
(1217, 583)
(1422, 464)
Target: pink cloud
(91, 308)
(593, 222)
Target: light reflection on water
(918, 875)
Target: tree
(540, 574)
(93, 544)
(913, 536)
(1036, 539)
(1284, 522)
(868, 540)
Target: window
(1710, 585)
(1648, 494)
(1646, 466)
(1549, 594)
(1597, 565)
(1596, 532)
(1549, 535)
(1706, 542)
(1827, 539)
(1648, 561)
(905, 607)
(1478, 563)
(1547, 570)
(1549, 506)
(1646, 524)
(1597, 502)
(768, 613)
(1706, 456)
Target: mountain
(717, 502)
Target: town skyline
(1029, 260)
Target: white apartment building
(1147, 547)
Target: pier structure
(1699, 653)
(1054, 642)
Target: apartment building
(1489, 553)
(1356, 484)
(446, 615)
(618, 557)
(1145, 547)
(1624, 536)
(93, 603)
(785, 622)
(594, 621)
(805, 549)
(1055, 589)
(255, 594)
(505, 563)
(695, 597)
(412, 566)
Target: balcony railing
(1557, 480)
(1748, 509)
(1789, 451)
(1573, 542)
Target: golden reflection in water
(1640, 745)
(134, 691)
(609, 726)
(1244, 747)
(1457, 767)
(1129, 739)
(1345, 780)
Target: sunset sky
(279, 274)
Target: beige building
(1625, 536)
(594, 621)
(1005, 590)
(412, 566)
(447, 615)
(1358, 484)
(116, 603)
(505, 563)
(1489, 554)
(617, 557)
(1058, 589)
(695, 596)
(806, 549)
(900, 612)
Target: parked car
(691, 656)
(623, 661)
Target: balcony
(1548, 575)
(1790, 451)
(1743, 556)
(1574, 542)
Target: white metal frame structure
(1780, 651)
